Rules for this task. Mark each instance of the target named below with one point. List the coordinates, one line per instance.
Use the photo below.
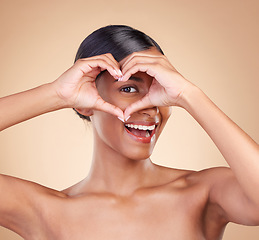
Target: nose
(151, 112)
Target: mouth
(140, 132)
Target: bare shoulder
(19, 185)
(211, 176)
(207, 176)
(22, 203)
(203, 182)
(190, 191)
(210, 179)
(23, 197)
(167, 175)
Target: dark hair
(119, 40)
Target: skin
(126, 196)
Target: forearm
(238, 149)
(25, 105)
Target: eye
(128, 89)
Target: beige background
(212, 43)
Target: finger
(157, 61)
(138, 59)
(110, 56)
(138, 105)
(141, 54)
(86, 66)
(111, 60)
(150, 68)
(106, 57)
(101, 105)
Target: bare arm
(73, 89)
(25, 105)
(236, 192)
(19, 199)
(240, 185)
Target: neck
(115, 173)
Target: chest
(153, 216)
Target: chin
(138, 154)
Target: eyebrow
(137, 79)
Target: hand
(76, 87)
(167, 87)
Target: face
(136, 138)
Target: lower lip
(141, 139)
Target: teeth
(147, 134)
(141, 127)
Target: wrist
(56, 100)
(189, 96)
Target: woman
(123, 83)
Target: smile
(141, 133)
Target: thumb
(101, 105)
(138, 105)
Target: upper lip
(142, 123)
(141, 127)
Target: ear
(84, 111)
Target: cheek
(123, 103)
(113, 97)
(122, 100)
(102, 119)
(105, 125)
(165, 113)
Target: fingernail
(121, 119)
(127, 118)
(120, 72)
(120, 79)
(115, 72)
